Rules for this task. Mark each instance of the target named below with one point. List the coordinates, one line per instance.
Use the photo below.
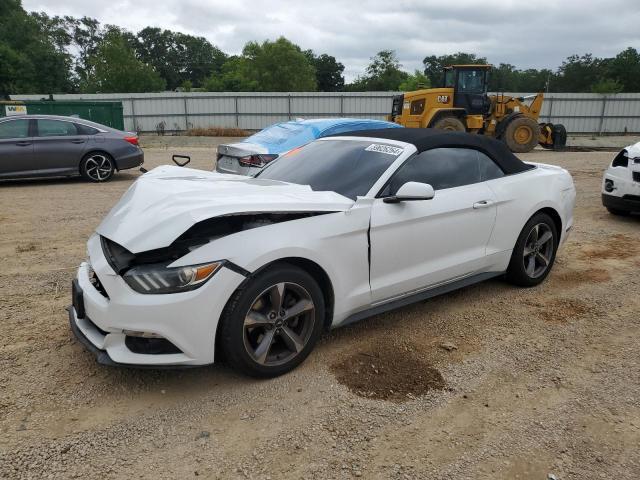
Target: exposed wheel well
(555, 216)
(458, 113)
(320, 276)
(315, 270)
(92, 152)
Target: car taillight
(131, 140)
(256, 160)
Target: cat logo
(443, 98)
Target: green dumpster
(106, 113)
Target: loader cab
(470, 84)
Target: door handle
(77, 141)
(23, 144)
(483, 204)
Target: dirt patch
(561, 310)
(578, 277)
(388, 372)
(618, 246)
(26, 247)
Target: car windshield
(347, 167)
(281, 132)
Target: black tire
(97, 167)
(519, 271)
(236, 339)
(522, 134)
(450, 123)
(619, 213)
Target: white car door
(424, 243)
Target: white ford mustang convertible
(191, 266)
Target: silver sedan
(47, 145)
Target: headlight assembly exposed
(158, 278)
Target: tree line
(51, 54)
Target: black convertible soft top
(429, 138)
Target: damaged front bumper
(123, 327)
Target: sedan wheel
(279, 324)
(98, 167)
(538, 250)
(535, 251)
(272, 322)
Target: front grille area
(632, 198)
(636, 176)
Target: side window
(489, 170)
(56, 128)
(417, 107)
(471, 81)
(86, 129)
(14, 129)
(441, 168)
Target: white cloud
(524, 34)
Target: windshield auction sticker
(388, 149)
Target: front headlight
(158, 278)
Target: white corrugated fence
(146, 112)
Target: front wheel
(522, 134)
(271, 325)
(534, 253)
(97, 167)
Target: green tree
(115, 69)
(232, 78)
(329, 72)
(278, 66)
(434, 65)
(384, 73)
(179, 57)
(415, 82)
(32, 57)
(607, 85)
(625, 69)
(579, 73)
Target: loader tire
(521, 135)
(450, 123)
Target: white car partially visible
(190, 263)
(621, 182)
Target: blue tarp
(282, 137)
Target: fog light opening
(150, 346)
(608, 186)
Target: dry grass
(217, 132)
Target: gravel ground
(517, 383)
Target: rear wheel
(97, 167)
(521, 134)
(534, 253)
(450, 123)
(270, 326)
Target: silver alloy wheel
(279, 324)
(98, 167)
(538, 249)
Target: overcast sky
(523, 33)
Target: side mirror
(179, 163)
(412, 191)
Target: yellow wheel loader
(463, 104)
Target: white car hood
(163, 203)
